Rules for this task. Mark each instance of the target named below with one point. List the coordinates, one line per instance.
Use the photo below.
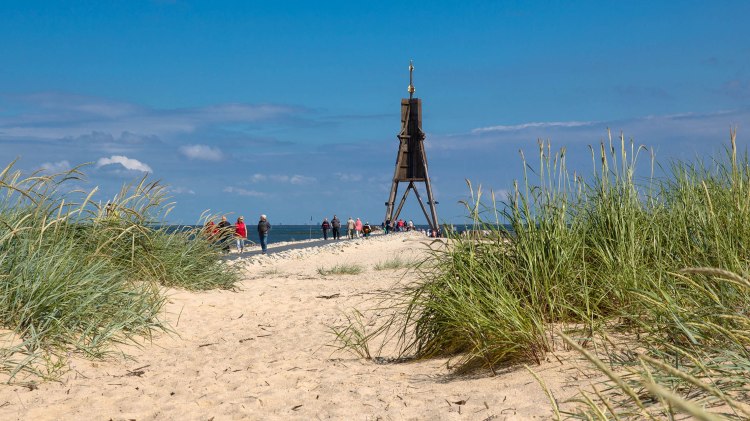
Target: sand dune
(261, 353)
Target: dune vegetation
(77, 276)
(647, 280)
(394, 263)
(341, 269)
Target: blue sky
(292, 108)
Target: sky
(291, 109)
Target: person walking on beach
(358, 227)
(366, 229)
(263, 228)
(240, 233)
(224, 234)
(325, 226)
(336, 227)
(209, 231)
(350, 228)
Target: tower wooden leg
(403, 200)
(421, 205)
(391, 200)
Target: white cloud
(67, 105)
(676, 135)
(202, 152)
(301, 180)
(127, 163)
(523, 126)
(243, 192)
(348, 177)
(55, 167)
(279, 178)
(181, 190)
(55, 116)
(296, 179)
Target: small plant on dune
(352, 335)
(394, 263)
(341, 269)
(77, 277)
(271, 272)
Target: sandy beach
(262, 352)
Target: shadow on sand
(255, 248)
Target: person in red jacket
(240, 234)
(210, 231)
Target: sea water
(283, 233)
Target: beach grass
(352, 335)
(394, 263)
(341, 269)
(660, 263)
(77, 277)
(271, 272)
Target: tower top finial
(411, 79)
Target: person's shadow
(255, 248)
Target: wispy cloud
(293, 179)
(54, 115)
(55, 167)
(345, 177)
(62, 106)
(519, 127)
(181, 190)
(296, 179)
(202, 152)
(243, 192)
(125, 162)
(686, 128)
(302, 180)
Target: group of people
(223, 232)
(397, 226)
(354, 229)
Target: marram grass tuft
(662, 263)
(76, 277)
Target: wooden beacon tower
(411, 161)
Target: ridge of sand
(260, 353)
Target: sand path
(260, 353)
